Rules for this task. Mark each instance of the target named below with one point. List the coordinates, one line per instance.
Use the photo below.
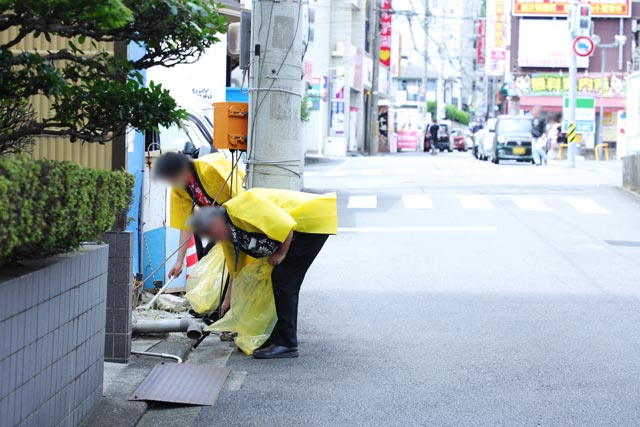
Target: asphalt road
(461, 293)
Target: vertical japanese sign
(385, 33)
(495, 38)
(337, 117)
(480, 45)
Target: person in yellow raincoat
(289, 228)
(207, 181)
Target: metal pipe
(157, 295)
(178, 359)
(192, 327)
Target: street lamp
(619, 40)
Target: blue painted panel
(153, 253)
(235, 94)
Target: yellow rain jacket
(276, 213)
(212, 172)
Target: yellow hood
(213, 171)
(277, 212)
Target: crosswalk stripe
(362, 202)
(337, 172)
(371, 172)
(530, 203)
(406, 171)
(586, 205)
(475, 202)
(417, 201)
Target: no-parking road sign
(583, 46)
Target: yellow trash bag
(253, 310)
(206, 282)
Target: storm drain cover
(628, 243)
(180, 383)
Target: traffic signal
(583, 24)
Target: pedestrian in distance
(207, 181)
(287, 227)
(538, 137)
(432, 135)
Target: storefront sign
(406, 128)
(314, 93)
(337, 119)
(355, 65)
(385, 33)
(599, 8)
(585, 115)
(495, 38)
(545, 43)
(538, 84)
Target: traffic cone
(192, 256)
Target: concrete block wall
(52, 331)
(117, 339)
(631, 172)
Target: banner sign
(539, 84)
(495, 38)
(385, 33)
(480, 45)
(599, 8)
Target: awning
(554, 103)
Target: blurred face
(537, 111)
(181, 179)
(219, 230)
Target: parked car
(512, 140)
(459, 140)
(485, 138)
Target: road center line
(435, 229)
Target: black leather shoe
(276, 352)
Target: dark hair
(169, 165)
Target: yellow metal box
(230, 125)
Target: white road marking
(586, 205)
(337, 172)
(475, 202)
(362, 202)
(442, 229)
(406, 171)
(417, 201)
(530, 203)
(371, 172)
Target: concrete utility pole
(573, 82)
(275, 154)
(372, 129)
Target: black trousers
(287, 279)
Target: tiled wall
(52, 331)
(117, 340)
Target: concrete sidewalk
(120, 381)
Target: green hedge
(451, 112)
(49, 207)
